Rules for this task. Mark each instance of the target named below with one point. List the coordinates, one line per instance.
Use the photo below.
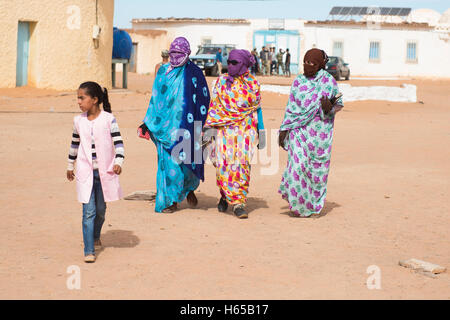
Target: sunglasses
(233, 62)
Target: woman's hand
(326, 105)
(117, 169)
(70, 175)
(281, 138)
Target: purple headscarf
(245, 60)
(179, 52)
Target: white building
(416, 46)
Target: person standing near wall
(280, 62)
(273, 61)
(264, 60)
(165, 57)
(255, 67)
(219, 60)
(287, 67)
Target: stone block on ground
(422, 266)
(142, 196)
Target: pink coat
(104, 147)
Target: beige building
(147, 47)
(55, 44)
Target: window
(338, 49)
(374, 51)
(411, 52)
(206, 41)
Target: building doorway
(23, 53)
(280, 39)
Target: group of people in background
(269, 62)
(182, 112)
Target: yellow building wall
(62, 51)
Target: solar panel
(345, 10)
(372, 10)
(355, 11)
(404, 11)
(384, 11)
(363, 11)
(395, 11)
(335, 10)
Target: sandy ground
(387, 200)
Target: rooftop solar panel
(355, 11)
(385, 11)
(404, 11)
(346, 10)
(374, 10)
(395, 11)
(335, 10)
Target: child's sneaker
(89, 258)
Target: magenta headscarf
(179, 52)
(245, 59)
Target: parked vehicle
(205, 58)
(338, 68)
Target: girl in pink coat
(97, 148)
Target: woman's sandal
(170, 209)
(192, 199)
(239, 211)
(223, 205)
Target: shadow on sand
(206, 202)
(329, 206)
(118, 239)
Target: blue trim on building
(276, 34)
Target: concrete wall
(62, 52)
(433, 53)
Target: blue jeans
(93, 216)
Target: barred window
(411, 52)
(374, 51)
(338, 49)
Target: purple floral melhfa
(303, 167)
(304, 185)
(294, 193)
(312, 132)
(301, 200)
(320, 152)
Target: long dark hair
(94, 90)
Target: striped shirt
(118, 146)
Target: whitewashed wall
(433, 53)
